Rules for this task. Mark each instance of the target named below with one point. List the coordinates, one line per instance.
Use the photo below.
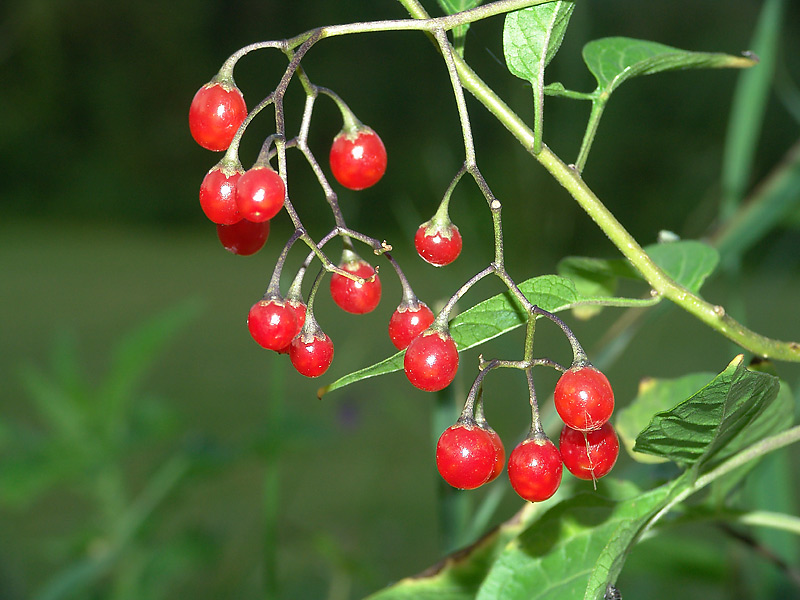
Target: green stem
(598, 106)
(710, 314)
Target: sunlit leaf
(614, 60)
(714, 422)
(557, 557)
(459, 576)
(532, 36)
(655, 395)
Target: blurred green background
(276, 492)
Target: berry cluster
(470, 453)
(242, 203)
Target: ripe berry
(259, 194)
(406, 324)
(499, 452)
(465, 455)
(534, 469)
(358, 159)
(272, 323)
(299, 309)
(218, 194)
(354, 297)
(311, 354)
(438, 245)
(431, 361)
(589, 454)
(584, 398)
(243, 238)
(215, 115)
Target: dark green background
(100, 228)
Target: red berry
(406, 324)
(534, 469)
(311, 354)
(259, 194)
(215, 115)
(465, 456)
(243, 238)
(584, 398)
(499, 452)
(218, 195)
(299, 309)
(431, 361)
(438, 246)
(272, 323)
(354, 297)
(589, 454)
(358, 159)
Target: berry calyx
(584, 398)
(311, 353)
(431, 360)
(407, 323)
(299, 307)
(218, 193)
(358, 158)
(465, 455)
(272, 323)
(438, 244)
(216, 112)
(260, 194)
(534, 469)
(352, 296)
(589, 454)
(243, 238)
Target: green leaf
(689, 262)
(559, 556)
(655, 395)
(459, 576)
(748, 107)
(532, 36)
(713, 423)
(592, 277)
(484, 321)
(614, 60)
(452, 7)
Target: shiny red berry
(218, 195)
(260, 194)
(465, 456)
(215, 115)
(406, 324)
(272, 324)
(358, 159)
(584, 398)
(499, 452)
(431, 361)
(352, 296)
(438, 246)
(311, 354)
(243, 238)
(299, 309)
(534, 469)
(589, 454)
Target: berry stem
(444, 315)
(537, 430)
(273, 289)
